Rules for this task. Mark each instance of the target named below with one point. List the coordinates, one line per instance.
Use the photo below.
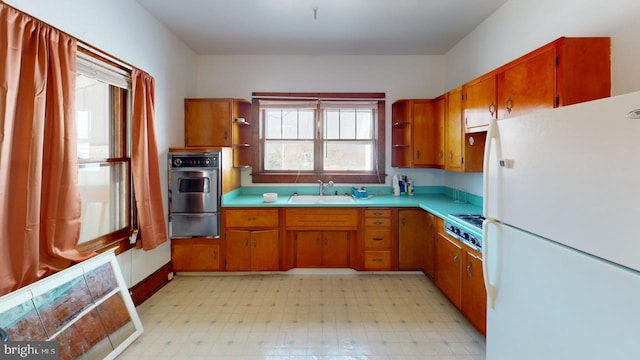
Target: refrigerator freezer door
(571, 174)
(557, 303)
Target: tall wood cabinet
(223, 122)
(429, 247)
(474, 294)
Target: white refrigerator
(561, 243)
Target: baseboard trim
(151, 284)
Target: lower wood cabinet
(449, 268)
(459, 276)
(252, 250)
(411, 237)
(195, 254)
(429, 246)
(321, 249)
(377, 239)
(474, 294)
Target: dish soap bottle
(395, 190)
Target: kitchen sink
(317, 199)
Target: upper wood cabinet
(479, 103)
(564, 72)
(463, 152)
(214, 123)
(416, 140)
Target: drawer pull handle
(378, 222)
(377, 260)
(377, 239)
(251, 219)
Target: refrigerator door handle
(491, 288)
(491, 135)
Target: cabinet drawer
(321, 218)
(251, 218)
(373, 222)
(385, 213)
(377, 260)
(377, 239)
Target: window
(306, 137)
(104, 174)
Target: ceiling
(321, 27)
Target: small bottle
(395, 186)
(410, 187)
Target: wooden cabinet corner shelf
(214, 123)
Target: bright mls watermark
(41, 350)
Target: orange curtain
(144, 160)
(39, 196)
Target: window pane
(307, 124)
(347, 124)
(104, 189)
(347, 155)
(93, 119)
(364, 124)
(332, 124)
(273, 124)
(288, 155)
(290, 124)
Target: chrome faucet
(324, 186)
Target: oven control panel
(191, 161)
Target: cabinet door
(449, 269)
(208, 122)
(424, 134)
(454, 131)
(238, 250)
(474, 295)
(195, 254)
(335, 248)
(308, 248)
(528, 86)
(429, 248)
(411, 236)
(479, 104)
(439, 115)
(265, 250)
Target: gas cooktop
(471, 219)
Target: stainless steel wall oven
(194, 194)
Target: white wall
(126, 31)
(397, 76)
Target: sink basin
(317, 199)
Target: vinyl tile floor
(303, 316)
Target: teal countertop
(437, 200)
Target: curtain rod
(82, 45)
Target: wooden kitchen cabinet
(251, 239)
(377, 238)
(474, 295)
(415, 134)
(448, 264)
(564, 72)
(195, 254)
(479, 103)
(252, 250)
(463, 152)
(213, 123)
(429, 247)
(411, 237)
(322, 249)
